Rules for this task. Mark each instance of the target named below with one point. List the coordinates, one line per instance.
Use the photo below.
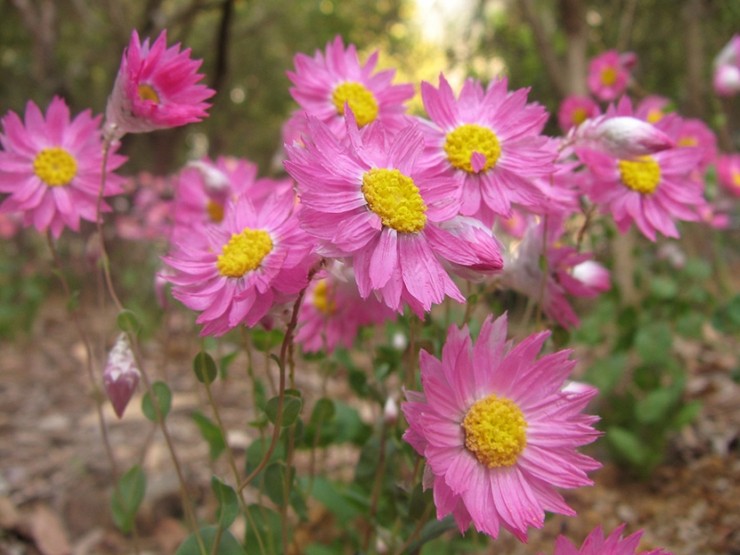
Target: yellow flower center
(495, 431)
(395, 198)
(360, 99)
(463, 141)
(608, 76)
(147, 92)
(579, 116)
(688, 141)
(215, 211)
(654, 115)
(736, 178)
(244, 252)
(641, 175)
(55, 166)
(323, 299)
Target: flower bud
(622, 137)
(121, 376)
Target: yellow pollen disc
(654, 115)
(736, 179)
(495, 431)
(244, 252)
(463, 141)
(641, 175)
(395, 198)
(688, 141)
(579, 116)
(215, 211)
(608, 76)
(147, 92)
(360, 99)
(323, 300)
(55, 166)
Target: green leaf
(228, 503)
(656, 405)
(323, 411)
(628, 446)
(163, 395)
(663, 287)
(127, 496)
(211, 433)
(127, 322)
(227, 544)
(686, 414)
(653, 342)
(334, 498)
(256, 451)
(225, 362)
(275, 483)
(605, 373)
(266, 340)
(727, 318)
(263, 529)
(204, 367)
(291, 409)
(431, 530)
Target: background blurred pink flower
(51, 167)
(608, 74)
(597, 544)
(574, 110)
(728, 173)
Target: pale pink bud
(390, 411)
(726, 80)
(628, 60)
(593, 275)
(622, 137)
(121, 376)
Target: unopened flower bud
(622, 137)
(216, 182)
(592, 275)
(390, 411)
(121, 376)
(726, 80)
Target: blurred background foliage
(73, 48)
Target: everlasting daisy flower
(156, 88)
(728, 173)
(489, 141)
(236, 272)
(368, 200)
(597, 544)
(324, 84)
(608, 74)
(574, 110)
(652, 108)
(51, 167)
(498, 431)
(691, 132)
(333, 312)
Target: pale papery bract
(489, 142)
(613, 544)
(257, 258)
(518, 403)
(324, 83)
(51, 167)
(156, 88)
(367, 199)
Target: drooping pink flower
(51, 167)
(574, 110)
(727, 68)
(609, 74)
(325, 83)
(498, 431)
(547, 271)
(121, 375)
(236, 271)
(613, 544)
(367, 199)
(489, 142)
(156, 88)
(728, 173)
(333, 312)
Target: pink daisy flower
(597, 544)
(574, 110)
(238, 270)
(368, 200)
(652, 108)
(156, 88)
(489, 141)
(608, 74)
(333, 312)
(325, 83)
(728, 173)
(498, 431)
(51, 167)
(691, 132)
(566, 272)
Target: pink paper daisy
(333, 313)
(498, 431)
(544, 269)
(691, 132)
(728, 173)
(608, 75)
(156, 88)
(238, 270)
(574, 110)
(489, 141)
(367, 199)
(325, 83)
(597, 544)
(51, 166)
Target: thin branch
(544, 41)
